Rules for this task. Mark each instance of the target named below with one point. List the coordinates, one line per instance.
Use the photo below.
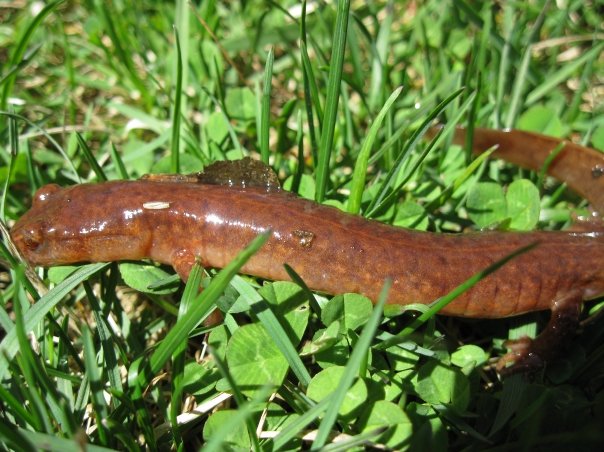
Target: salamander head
(71, 225)
(30, 232)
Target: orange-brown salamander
(176, 219)
(582, 168)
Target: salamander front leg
(528, 355)
(183, 262)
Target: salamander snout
(31, 238)
(30, 234)
(30, 241)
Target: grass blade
(27, 58)
(42, 441)
(12, 403)
(358, 354)
(297, 279)
(266, 107)
(243, 414)
(311, 91)
(119, 163)
(115, 28)
(294, 428)
(26, 366)
(434, 143)
(45, 399)
(9, 345)
(200, 310)
(16, 439)
(360, 167)
(107, 342)
(562, 74)
(273, 326)
(98, 171)
(13, 138)
(379, 59)
(21, 48)
(452, 188)
(311, 99)
(260, 397)
(382, 194)
(94, 377)
(49, 137)
(333, 96)
(546, 164)
(178, 357)
(175, 143)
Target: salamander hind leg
(529, 355)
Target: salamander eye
(44, 194)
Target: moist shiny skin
(334, 252)
(177, 219)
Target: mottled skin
(175, 221)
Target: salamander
(176, 219)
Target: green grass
(337, 100)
